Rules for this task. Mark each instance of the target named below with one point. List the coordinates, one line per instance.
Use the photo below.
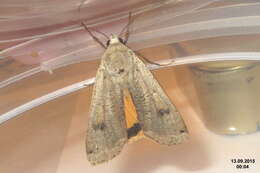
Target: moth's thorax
(118, 61)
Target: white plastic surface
(154, 28)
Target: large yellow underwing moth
(122, 76)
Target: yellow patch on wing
(131, 116)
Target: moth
(122, 77)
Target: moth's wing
(158, 117)
(107, 133)
(134, 130)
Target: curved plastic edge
(178, 61)
(43, 99)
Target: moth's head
(114, 39)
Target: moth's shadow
(145, 156)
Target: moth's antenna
(93, 36)
(85, 26)
(126, 28)
(126, 39)
(100, 33)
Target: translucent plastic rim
(254, 56)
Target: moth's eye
(121, 40)
(108, 42)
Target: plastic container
(229, 97)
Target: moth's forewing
(158, 117)
(107, 133)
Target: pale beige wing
(158, 117)
(107, 133)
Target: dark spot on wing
(100, 126)
(90, 151)
(182, 131)
(121, 70)
(162, 112)
(134, 130)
